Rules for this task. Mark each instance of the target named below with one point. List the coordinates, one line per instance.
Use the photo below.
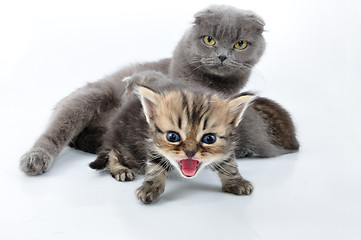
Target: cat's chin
(220, 70)
(189, 167)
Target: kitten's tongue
(189, 167)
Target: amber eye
(209, 40)
(241, 45)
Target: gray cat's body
(218, 53)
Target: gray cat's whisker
(197, 68)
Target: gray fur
(195, 62)
(80, 119)
(253, 139)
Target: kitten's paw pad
(238, 187)
(149, 193)
(35, 162)
(124, 174)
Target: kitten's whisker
(143, 166)
(212, 167)
(227, 163)
(164, 168)
(153, 169)
(163, 163)
(224, 171)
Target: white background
(312, 66)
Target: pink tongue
(189, 167)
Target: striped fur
(136, 140)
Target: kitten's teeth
(189, 167)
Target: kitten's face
(224, 41)
(193, 130)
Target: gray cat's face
(224, 41)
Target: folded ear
(202, 16)
(237, 106)
(149, 100)
(257, 22)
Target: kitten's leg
(117, 170)
(231, 179)
(70, 117)
(154, 183)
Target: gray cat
(217, 52)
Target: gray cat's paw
(35, 162)
(124, 174)
(149, 193)
(238, 187)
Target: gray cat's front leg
(70, 117)
(36, 161)
(65, 124)
(231, 179)
(154, 183)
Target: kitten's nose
(190, 153)
(222, 58)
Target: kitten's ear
(149, 100)
(238, 105)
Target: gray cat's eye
(241, 45)
(208, 40)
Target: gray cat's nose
(222, 58)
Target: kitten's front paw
(238, 187)
(148, 192)
(124, 174)
(35, 162)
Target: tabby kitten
(174, 129)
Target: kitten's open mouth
(189, 167)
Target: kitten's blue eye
(209, 138)
(173, 137)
